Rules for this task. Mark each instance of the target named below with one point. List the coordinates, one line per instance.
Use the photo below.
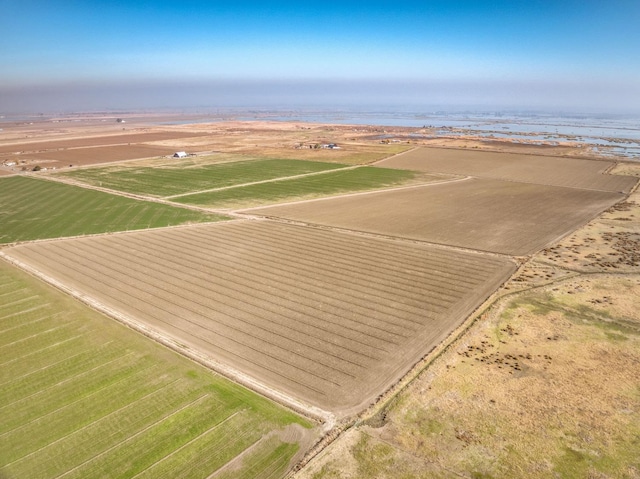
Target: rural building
(180, 154)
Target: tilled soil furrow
(225, 327)
(390, 254)
(188, 298)
(324, 295)
(386, 277)
(328, 262)
(278, 303)
(385, 300)
(147, 312)
(268, 287)
(236, 300)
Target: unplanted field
(492, 215)
(106, 140)
(545, 385)
(329, 318)
(89, 156)
(32, 209)
(313, 186)
(82, 396)
(544, 170)
(170, 180)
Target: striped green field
(33, 209)
(326, 184)
(81, 396)
(167, 180)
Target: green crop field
(325, 184)
(167, 180)
(82, 396)
(36, 209)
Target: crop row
(168, 181)
(330, 183)
(82, 395)
(65, 210)
(274, 300)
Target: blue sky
(564, 54)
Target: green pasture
(167, 180)
(81, 396)
(33, 208)
(314, 186)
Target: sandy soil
(273, 300)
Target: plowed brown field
(38, 146)
(330, 318)
(492, 215)
(544, 170)
(101, 154)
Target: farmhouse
(180, 154)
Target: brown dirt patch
(544, 170)
(491, 215)
(331, 318)
(34, 146)
(95, 155)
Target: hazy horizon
(561, 56)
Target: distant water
(615, 136)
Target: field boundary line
(30, 310)
(151, 199)
(375, 162)
(21, 325)
(18, 301)
(232, 374)
(212, 428)
(43, 349)
(493, 150)
(273, 180)
(89, 425)
(241, 455)
(54, 411)
(360, 193)
(26, 338)
(603, 173)
(66, 380)
(139, 432)
(402, 239)
(50, 365)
